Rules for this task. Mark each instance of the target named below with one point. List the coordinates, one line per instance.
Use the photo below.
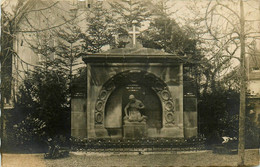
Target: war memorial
(133, 93)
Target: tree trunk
(241, 144)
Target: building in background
(30, 21)
(253, 73)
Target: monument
(132, 111)
(134, 122)
(133, 92)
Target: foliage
(44, 94)
(55, 148)
(252, 133)
(164, 33)
(30, 131)
(218, 114)
(59, 49)
(124, 13)
(129, 10)
(9, 19)
(252, 128)
(99, 31)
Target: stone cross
(116, 38)
(134, 32)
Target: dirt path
(23, 160)
(80, 159)
(155, 160)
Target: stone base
(190, 132)
(172, 132)
(135, 130)
(115, 132)
(101, 132)
(153, 132)
(79, 133)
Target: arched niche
(153, 84)
(118, 99)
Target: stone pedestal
(101, 132)
(135, 130)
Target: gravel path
(83, 160)
(23, 160)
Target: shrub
(218, 115)
(30, 132)
(44, 96)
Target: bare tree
(227, 25)
(18, 21)
(10, 17)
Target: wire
(49, 28)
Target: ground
(80, 159)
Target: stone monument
(132, 92)
(134, 122)
(132, 111)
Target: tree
(68, 48)
(44, 95)
(215, 63)
(59, 46)
(226, 36)
(17, 20)
(166, 34)
(10, 16)
(40, 33)
(59, 50)
(231, 32)
(62, 50)
(124, 13)
(9, 19)
(99, 30)
(218, 114)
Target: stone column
(78, 117)
(90, 104)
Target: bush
(218, 115)
(252, 131)
(30, 132)
(45, 96)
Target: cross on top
(134, 32)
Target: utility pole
(242, 112)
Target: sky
(182, 13)
(251, 8)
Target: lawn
(80, 159)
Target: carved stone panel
(139, 77)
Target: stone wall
(78, 117)
(168, 74)
(89, 122)
(190, 115)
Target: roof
(132, 55)
(136, 51)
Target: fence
(137, 145)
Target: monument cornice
(131, 58)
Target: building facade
(34, 23)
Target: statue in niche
(132, 110)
